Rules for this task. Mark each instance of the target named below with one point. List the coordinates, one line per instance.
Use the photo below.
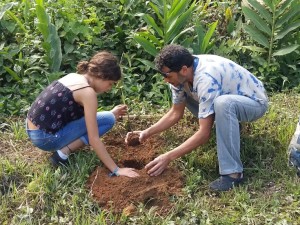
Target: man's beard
(181, 79)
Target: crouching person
(64, 116)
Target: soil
(133, 139)
(122, 194)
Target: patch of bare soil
(123, 194)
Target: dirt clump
(133, 139)
(123, 194)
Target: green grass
(33, 193)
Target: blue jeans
(71, 132)
(229, 110)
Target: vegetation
(31, 192)
(42, 40)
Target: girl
(64, 116)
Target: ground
(122, 194)
(116, 194)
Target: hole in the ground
(133, 164)
(149, 202)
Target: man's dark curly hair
(174, 57)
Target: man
(214, 89)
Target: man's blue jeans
(71, 132)
(229, 110)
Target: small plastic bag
(294, 149)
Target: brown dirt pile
(123, 194)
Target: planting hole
(133, 164)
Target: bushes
(27, 56)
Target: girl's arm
(88, 99)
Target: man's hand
(158, 165)
(143, 135)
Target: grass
(31, 192)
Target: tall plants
(166, 25)
(51, 44)
(274, 25)
(170, 22)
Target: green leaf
(257, 35)
(177, 9)
(286, 50)
(280, 10)
(256, 20)
(181, 33)
(148, 46)
(151, 22)
(208, 36)
(178, 24)
(157, 12)
(270, 4)
(255, 49)
(55, 53)
(6, 7)
(285, 18)
(52, 44)
(17, 21)
(12, 73)
(146, 62)
(262, 10)
(287, 29)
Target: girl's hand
(127, 172)
(119, 111)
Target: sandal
(56, 160)
(225, 183)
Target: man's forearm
(167, 121)
(189, 145)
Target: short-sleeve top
(54, 108)
(215, 76)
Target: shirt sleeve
(178, 94)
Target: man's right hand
(143, 135)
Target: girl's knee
(107, 118)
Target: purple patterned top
(54, 108)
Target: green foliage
(31, 33)
(203, 43)
(167, 24)
(51, 43)
(275, 26)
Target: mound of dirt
(123, 194)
